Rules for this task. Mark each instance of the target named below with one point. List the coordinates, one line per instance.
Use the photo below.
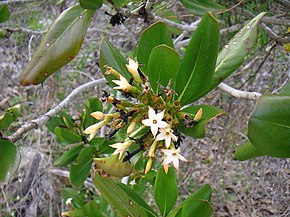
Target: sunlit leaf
(199, 129)
(80, 170)
(162, 66)
(4, 13)
(59, 46)
(269, 126)
(197, 67)
(154, 35)
(91, 4)
(200, 7)
(9, 160)
(165, 190)
(117, 198)
(9, 116)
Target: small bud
(176, 104)
(152, 149)
(131, 128)
(133, 69)
(165, 167)
(111, 71)
(198, 115)
(148, 165)
(98, 115)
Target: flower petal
(151, 113)
(162, 124)
(167, 152)
(161, 136)
(167, 142)
(168, 160)
(160, 115)
(176, 163)
(154, 129)
(147, 122)
(181, 158)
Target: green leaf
(4, 13)
(162, 66)
(154, 35)
(77, 199)
(135, 196)
(246, 152)
(59, 45)
(91, 105)
(233, 54)
(91, 209)
(9, 160)
(208, 113)
(197, 67)
(165, 190)
(80, 170)
(110, 56)
(200, 7)
(91, 4)
(68, 156)
(9, 116)
(121, 3)
(269, 126)
(117, 198)
(66, 136)
(198, 202)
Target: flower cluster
(150, 119)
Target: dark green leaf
(208, 113)
(110, 56)
(91, 4)
(9, 116)
(117, 198)
(91, 105)
(165, 190)
(67, 136)
(9, 160)
(80, 170)
(246, 152)
(162, 66)
(196, 70)
(4, 13)
(232, 55)
(269, 126)
(77, 199)
(200, 7)
(59, 45)
(135, 196)
(154, 35)
(91, 209)
(68, 156)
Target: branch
(239, 93)
(16, 1)
(192, 27)
(273, 35)
(24, 30)
(34, 124)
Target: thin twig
(239, 93)
(16, 1)
(273, 35)
(34, 124)
(24, 30)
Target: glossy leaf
(9, 160)
(232, 55)
(269, 126)
(9, 116)
(162, 66)
(247, 151)
(197, 204)
(198, 130)
(110, 56)
(68, 156)
(91, 4)
(4, 13)
(154, 35)
(200, 7)
(67, 136)
(136, 197)
(197, 67)
(165, 190)
(79, 171)
(59, 46)
(117, 198)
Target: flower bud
(198, 115)
(98, 115)
(152, 149)
(131, 128)
(148, 165)
(165, 167)
(133, 69)
(111, 71)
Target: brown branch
(34, 124)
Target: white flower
(121, 147)
(167, 135)
(133, 69)
(123, 84)
(68, 201)
(93, 129)
(98, 115)
(173, 156)
(154, 121)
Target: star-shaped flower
(93, 129)
(121, 147)
(133, 69)
(172, 156)
(123, 84)
(167, 135)
(154, 121)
